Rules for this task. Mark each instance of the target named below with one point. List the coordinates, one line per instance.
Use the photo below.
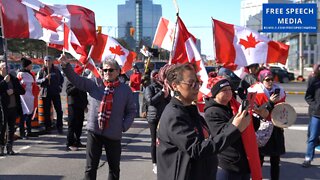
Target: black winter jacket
(18, 90)
(183, 153)
(56, 81)
(76, 97)
(313, 98)
(156, 102)
(219, 119)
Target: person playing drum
(268, 95)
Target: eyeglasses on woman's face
(194, 84)
(268, 79)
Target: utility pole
(301, 67)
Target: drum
(283, 115)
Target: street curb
(295, 92)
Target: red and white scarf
(106, 104)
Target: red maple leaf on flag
(44, 16)
(117, 50)
(251, 42)
(198, 68)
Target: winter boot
(9, 150)
(1, 150)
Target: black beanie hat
(25, 62)
(218, 85)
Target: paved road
(45, 157)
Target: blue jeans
(314, 129)
(223, 174)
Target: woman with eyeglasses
(268, 95)
(185, 148)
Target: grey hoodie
(123, 107)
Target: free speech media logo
(289, 17)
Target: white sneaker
(154, 168)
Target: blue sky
(196, 14)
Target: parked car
(211, 69)
(234, 79)
(157, 65)
(282, 74)
(14, 68)
(36, 68)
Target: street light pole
(301, 67)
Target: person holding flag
(10, 91)
(50, 80)
(111, 112)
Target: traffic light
(99, 30)
(132, 30)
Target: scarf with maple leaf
(106, 104)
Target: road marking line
(299, 128)
(140, 121)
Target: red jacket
(135, 81)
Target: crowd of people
(184, 144)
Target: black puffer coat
(156, 102)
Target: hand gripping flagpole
(175, 30)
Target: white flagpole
(64, 39)
(4, 44)
(175, 29)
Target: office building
(138, 20)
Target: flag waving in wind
(34, 20)
(164, 34)
(239, 46)
(185, 51)
(107, 47)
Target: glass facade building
(251, 17)
(141, 15)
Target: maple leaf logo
(250, 42)
(46, 20)
(117, 50)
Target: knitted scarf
(106, 104)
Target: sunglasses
(192, 84)
(108, 70)
(268, 79)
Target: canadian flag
(34, 20)
(164, 34)
(238, 46)
(107, 47)
(185, 51)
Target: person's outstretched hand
(63, 60)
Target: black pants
(25, 118)
(94, 150)
(75, 124)
(274, 166)
(153, 134)
(47, 107)
(10, 116)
